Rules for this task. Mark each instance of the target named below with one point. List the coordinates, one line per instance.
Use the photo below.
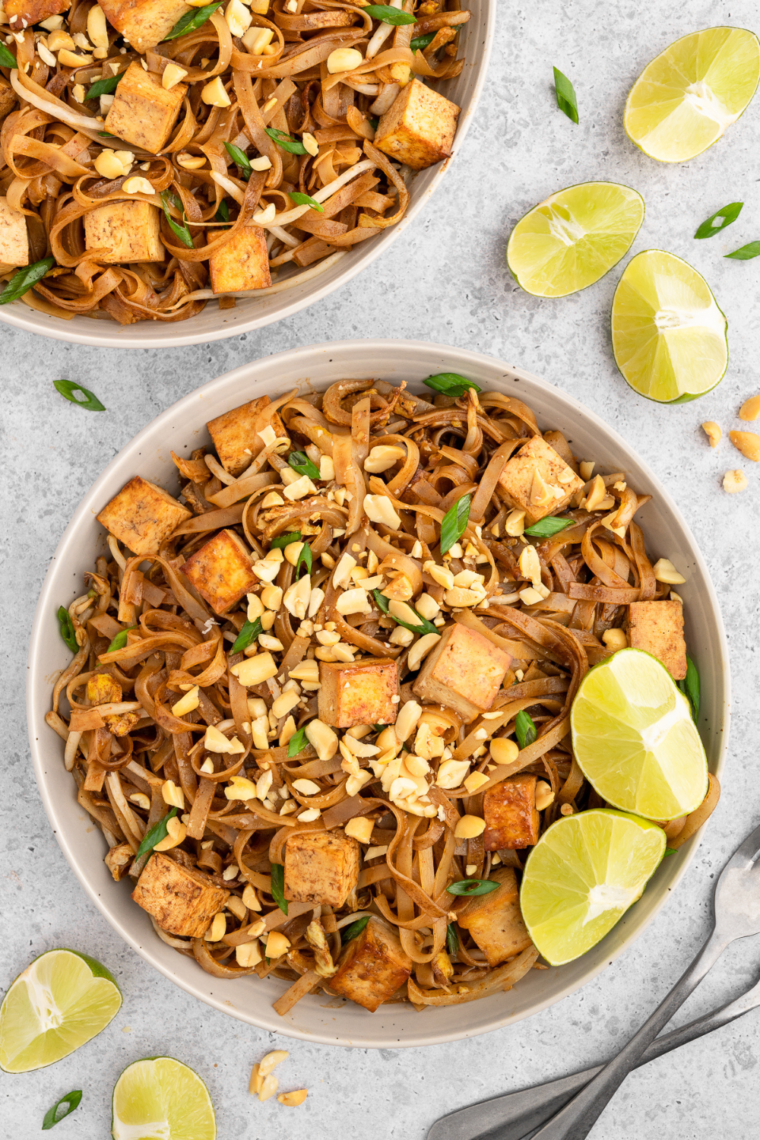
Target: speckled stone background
(445, 281)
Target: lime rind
(161, 1096)
(58, 1003)
(680, 106)
(573, 238)
(635, 740)
(669, 336)
(582, 876)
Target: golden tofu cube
(7, 98)
(182, 900)
(243, 263)
(509, 810)
(143, 23)
(495, 921)
(14, 241)
(21, 14)
(122, 232)
(142, 516)
(464, 671)
(221, 571)
(143, 112)
(372, 967)
(321, 867)
(358, 692)
(118, 860)
(102, 689)
(236, 434)
(538, 481)
(657, 627)
(418, 128)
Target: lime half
(582, 876)
(573, 238)
(159, 1098)
(668, 334)
(59, 1002)
(685, 99)
(634, 738)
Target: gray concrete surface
(445, 282)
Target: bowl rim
(383, 351)
(23, 317)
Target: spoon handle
(576, 1119)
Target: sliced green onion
(158, 832)
(278, 887)
(389, 15)
(298, 743)
(690, 686)
(472, 887)
(287, 142)
(301, 463)
(191, 20)
(450, 384)
(120, 640)
(566, 97)
(719, 220)
(249, 631)
(69, 1102)
(353, 930)
(304, 559)
(306, 200)
(425, 626)
(525, 730)
(283, 540)
(22, 281)
(69, 388)
(454, 523)
(239, 157)
(104, 86)
(66, 626)
(452, 940)
(182, 232)
(546, 528)
(744, 253)
(419, 43)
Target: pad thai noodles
(322, 697)
(156, 154)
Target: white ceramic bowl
(214, 323)
(182, 427)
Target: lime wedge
(159, 1098)
(573, 238)
(668, 334)
(581, 877)
(685, 98)
(634, 738)
(60, 1002)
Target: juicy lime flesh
(61, 1001)
(668, 334)
(685, 99)
(159, 1098)
(582, 876)
(573, 238)
(635, 740)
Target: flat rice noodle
(618, 596)
(305, 984)
(502, 978)
(204, 957)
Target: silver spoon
(737, 915)
(516, 1114)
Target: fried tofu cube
(321, 867)
(14, 241)
(182, 900)
(21, 14)
(418, 128)
(495, 921)
(509, 810)
(372, 967)
(7, 98)
(657, 627)
(464, 671)
(143, 112)
(538, 481)
(358, 692)
(242, 263)
(102, 689)
(142, 516)
(122, 232)
(144, 23)
(236, 434)
(118, 860)
(221, 571)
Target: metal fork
(736, 915)
(517, 1114)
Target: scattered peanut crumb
(734, 481)
(750, 409)
(713, 432)
(293, 1099)
(747, 442)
